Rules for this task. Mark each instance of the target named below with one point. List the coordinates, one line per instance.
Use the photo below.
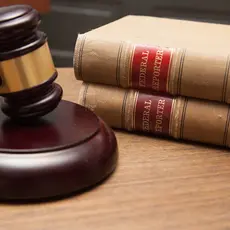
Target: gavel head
(27, 71)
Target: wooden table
(158, 184)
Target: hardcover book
(161, 115)
(182, 58)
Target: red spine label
(152, 113)
(150, 67)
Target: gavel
(64, 148)
(27, 71)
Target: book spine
(177, 71)
(177, 117)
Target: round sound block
(68, 150)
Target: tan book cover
(179, 57)
(162, 115)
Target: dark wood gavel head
(27, 71)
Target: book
(178, 57)
(161, 115)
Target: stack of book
(165, 77)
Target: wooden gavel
(69, 148)
(27, 71)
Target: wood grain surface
(158, 184)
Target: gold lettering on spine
(159, 116)
(146, 116)
(157, 69)
(143, 69)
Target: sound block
(67, 150)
